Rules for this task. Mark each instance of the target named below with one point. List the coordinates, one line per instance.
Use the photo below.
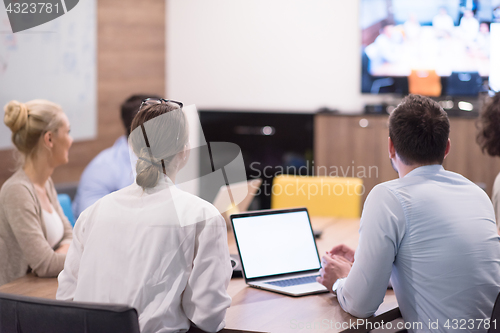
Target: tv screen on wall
(428, 47)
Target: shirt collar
(169, 181)
(425, 170)
(163, 183)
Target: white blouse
(53, 226)
(162, 251)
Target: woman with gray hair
(151, 245)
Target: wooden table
(259, 310)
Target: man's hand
(63, 249)
(333, 268)
(343, 251)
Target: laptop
(244, 192)
(278, 251)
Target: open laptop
(278, 251)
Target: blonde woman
(151, 245)
(34, 233)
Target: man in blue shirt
(431, 231)
(111, 169)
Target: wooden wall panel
(130, 59)
(339, 140)
(342, 143)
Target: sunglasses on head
(154, 101)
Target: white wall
(278, 55)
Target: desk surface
(259, 310)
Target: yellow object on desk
(323, 196)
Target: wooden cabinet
(357, 145)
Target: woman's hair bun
(16, 115)
(148, 169)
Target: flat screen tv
(430, 47)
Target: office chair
(38, 315)
(65, 202)
(323, 196)
(495, 315)
(463, 84)
(22, 314)
(424, 82)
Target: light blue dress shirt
(435, 232)
(109, 171)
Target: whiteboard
(54, 61)
(279, 55)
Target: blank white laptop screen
(276, 244)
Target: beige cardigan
(23, 238)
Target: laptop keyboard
(294, 281)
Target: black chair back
(463, 84)
(21, 314)
(495, 317)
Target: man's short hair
(419, 129)
(130, 108)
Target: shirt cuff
(339, 293)
(338, 284)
